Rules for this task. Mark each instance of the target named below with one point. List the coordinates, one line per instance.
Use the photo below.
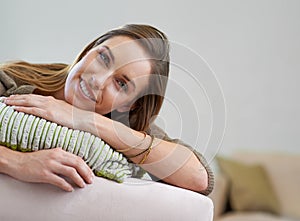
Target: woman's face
(109, 77)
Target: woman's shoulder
(9, 86)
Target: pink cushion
(103, 200)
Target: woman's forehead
(125, 50)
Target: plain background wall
(252, 47)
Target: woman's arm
(45, 166)
(171, 162)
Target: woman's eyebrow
(110, 53)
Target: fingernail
(70, 189)
(91, 179)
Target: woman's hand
(47, 107)
(47, 166)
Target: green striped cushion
(24, 132)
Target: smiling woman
(114, 90)
(109, 77)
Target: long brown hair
(52, 77)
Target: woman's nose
(98, 82)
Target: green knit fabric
(24, 132)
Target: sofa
(135, 199)
(251, 186)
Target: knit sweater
(9, 86)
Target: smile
(86, 91)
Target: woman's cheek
(110, 101)
(76, 70)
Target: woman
(114, 90)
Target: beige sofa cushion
(252, 216)
(283, 170)
(250, 187)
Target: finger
(23, 96)
(81, 167)
(22, 100)
(83, 170)
(31, 110)
(29, 98)
(71, 173)
(59, 182)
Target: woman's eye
(123, 85)
(104, 57)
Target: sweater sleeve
(159, 133)
(9, 86)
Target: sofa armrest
(103, 200)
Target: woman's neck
(57, 94)
(60, 94)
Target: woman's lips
(87, 92)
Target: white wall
(252, 47)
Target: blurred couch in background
(257, 187)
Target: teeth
(85, 91)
